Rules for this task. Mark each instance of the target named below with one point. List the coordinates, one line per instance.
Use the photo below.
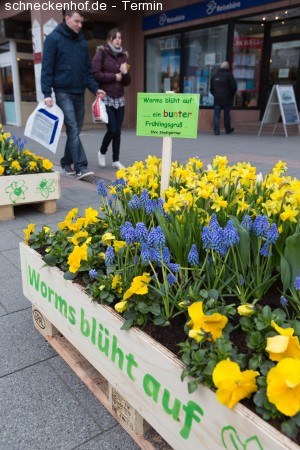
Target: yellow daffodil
(285, 345)
(78, 254)
(201, 323)
(283, 386)
(219, 203)
(232, 384)
(138, 286)
(28, 231)
(289, 214)
(121, 306)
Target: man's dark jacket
(66, 65)
(105, 67)
(223, 87)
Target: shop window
(284, 62)
(27, 80)
(247, 59)
(284, 27)
(4, 47)
(163, 64)
(204, 50)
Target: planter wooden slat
(41, 189)
(143, 372)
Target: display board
(281, 103)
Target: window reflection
(247, 59)
(204, 50)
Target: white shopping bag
(44, 125)
(99, 111)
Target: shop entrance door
(8, 98)
(284, 62)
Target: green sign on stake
(167, 115)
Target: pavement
(43, 403)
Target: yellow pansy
(246, 310)
(78, 254)
(1, 170)
(15, 165)
(47, 164)
(283, 386)
(118, 245)
(1, 159)
(91, 216)
(121, 306)
(138, 286)
(108, 238)
(77, 238)
(232, 384)
(46, 230)
(201, 323)
(28, 231)
(116, 283)
(284, 345)
(32, 165)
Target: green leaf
(184, 374)
(290, 429)
(127, 325)
(285, 273)
(186, 358)
(160, 320)
(192, 386)
(244, 243)
(143, 308)
(50, 260)
(69, 275)
(291, 254)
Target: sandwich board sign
(281, 103)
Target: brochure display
(281, 103)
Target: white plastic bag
(44, 125)
(99, 111)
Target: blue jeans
(115, 120)
(217, 113)
(72, 106)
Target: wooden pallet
(46, 207)
(132, 422)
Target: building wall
(130, 23)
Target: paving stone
(38, 412)
(14, 257)
(87, 399)
(13, 300)
(8, 240)
(18, 222)
(21, 345)
(7, 268)
(2, 311)
(114, 439)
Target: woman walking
(110, 69)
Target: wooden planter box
(41, 189)
(141, 373)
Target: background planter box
(41, 189)
(142, 371)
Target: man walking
(66, 67)
(223, 88)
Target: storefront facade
(260, 39)
(172, 46)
